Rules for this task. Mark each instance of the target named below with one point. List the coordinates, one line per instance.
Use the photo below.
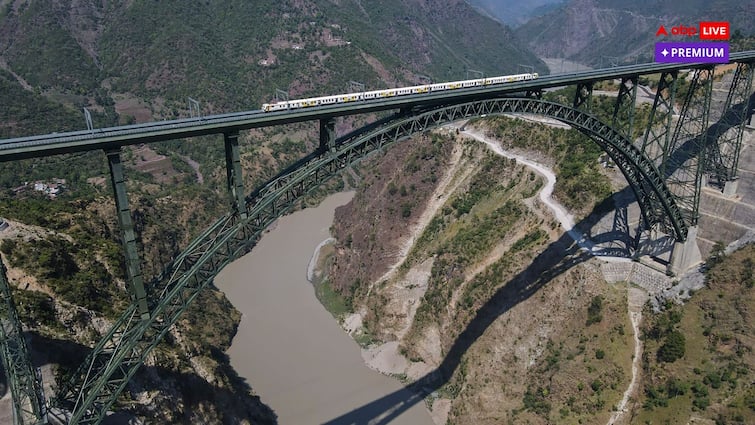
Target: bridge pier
(724, 138)
(128, 236)
(234, 177)
(327, 134)
(685, 255)
(658, 132)
(730, 188)
(623, 111)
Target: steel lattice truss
(94, 387)
(664, 170)
(623, 112)
(28, 400)
(682, 169)
(723, 140)
(655, 145)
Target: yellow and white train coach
(401, 91)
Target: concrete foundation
(730, 188)
(685, 255)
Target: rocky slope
(137, 60)
(514, 12)
(490, 310)
(600, 32)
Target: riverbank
(288, 346)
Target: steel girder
(657, 204)
(25, 384)
(94, 387)
(658, 134)
(623, 111)
(655, 144)
(724, 138)
(683, 168)
(128, 235)
(234, 178)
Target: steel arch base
(93, 388)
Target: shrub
(534, 401)
(595, 310)
(673, 348)
(676, 387)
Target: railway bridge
(685, 143)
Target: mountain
(595, 31)
(141, 60)
(514, 12)
(137, 61)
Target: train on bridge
(401, 91)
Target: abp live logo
(706, 31)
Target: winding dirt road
(636, 296)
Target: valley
(486, 267)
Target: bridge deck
(113, 137)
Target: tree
(673, 349)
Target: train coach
(401, 91)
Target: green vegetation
(595, 310)
(581, 371)
(23, 113)
(703, 363)
(580, 183)
(673, 347)
(34, 307)
(69, 271)
(464, 232)
(536, 401)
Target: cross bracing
(92, 389)
(649, 167)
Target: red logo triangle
(661, 31)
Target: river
(288, 347)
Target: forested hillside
(140, 61)
(232, 54)
(601, 32)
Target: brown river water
(288, 347)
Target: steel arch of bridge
(93, 388)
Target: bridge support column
(685, 254)
(128, 236)
(724, 138)
(658, 133)
(685, 165)
(233, 173)
(327, 134)
(623, 111)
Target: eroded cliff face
(477, 296)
